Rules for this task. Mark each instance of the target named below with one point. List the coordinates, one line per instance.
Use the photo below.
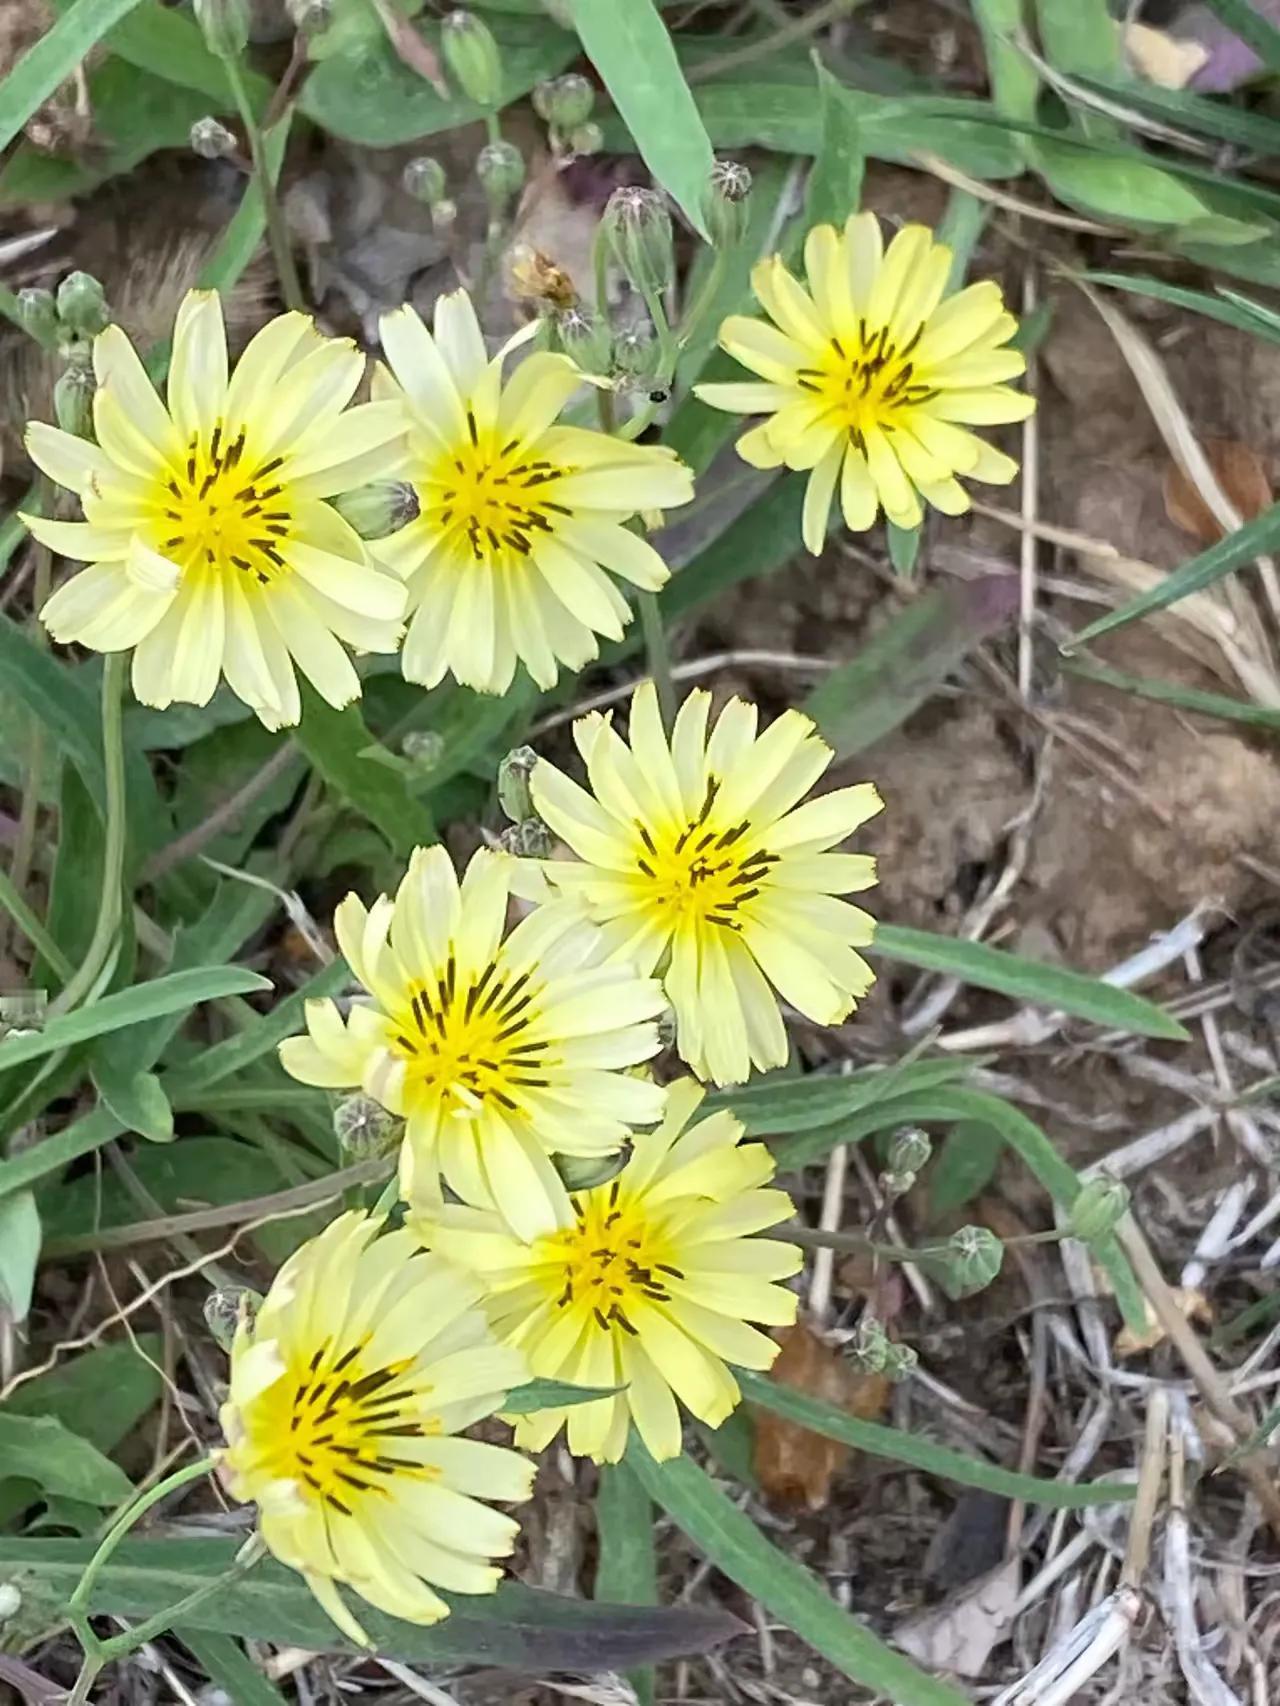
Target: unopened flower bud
(530, 839)
(424, 748)
(472, 56)
(73, 399)
(38, 314)
(443, 215)
(637, 354)
(500, 169)
(364, 1128)
(310, 17)
(724, 207)
(513, 783)
(424, 179)
(82, 305)
(225, 24)
(226, 1308)
(870, 1345)
(1100, 1206)
(909, 1150)
(211, 139)
(900, 1361)
(378, 509)
(968, 1261)
(564, 102)
(586, 1172)
(585, 138)
(637, 228)
(586, 340)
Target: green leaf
(75, 886)
(1015, 83)
(1081, 39)
(775, 1103)
(516, 1628)
(835, 184)
(1174, 693)
(902, 1447)
(537, 1395)
(1117, 187)
(40, 1449)
(52, 1154)
(1226, 123)
(19, 1253)
(763, 538)
(1252, 28)
(137, 1100)
(733, 1543)
(170, 44)
(236, 1675)
(627, 1566)
(55, 57)
(906, 662)
(631, 48)
(965, 1166)
(1228, 310)
(1028, 980)
(284, 1020)
(904, 548)
(366, 94)
(1253, 540)
(103, 1393)
(333, 741)
(172, 994)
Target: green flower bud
(870, 1345)
(1100, 1206)
(530, 839)
(500, 169)
(211, 139)
(424, 179)
(73, 399)
(968, 1261)
(378, 509)
(38, 314)
(225, 24)
(637, 354)
(82, 305)
(564, 102)
(472, 56)
(900, 1361)
(586, 1172)
(637, 229)
(364, 1128)
(513, 783)
(724, 207)
(226, 1308)
(310, 17)
(585, 138)
(587, 341)
(424, 748)
(909, 1150)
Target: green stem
(659, 654)
(119, 1646)
(493, 125)
(705, 297)
(111, 906)
(277, 232)
(89, 1669)
(31, 927)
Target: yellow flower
(697, 858)
(211, 547)
(647, 1285)
(519, 517)
(869, 377)
(497, 1053)
(365, 1360)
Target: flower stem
(111, 907)
(277, 232)
(76, 1605)
(119, 1646)
(659, 654)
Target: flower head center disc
(868, 383)
(708, 871)
(491, 500)
(219, 511)
(608, 1261)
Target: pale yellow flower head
(521, 519)
(699, 862)
(498, 1051)
(211, 548)
(365, 1361)
(648, 1285)
(871, 377)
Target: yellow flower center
(866, 384)
(221, 511)
(607, 1259)
(490, 500)
(703, 871)
(472, 1040)
(338, 1426)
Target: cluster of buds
(564, 104)
(526, 835)
(66, 324)
(909, 1152)
(874, 1352)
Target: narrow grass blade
(225, 1058)
(52, 1154)
(54, 58)
(1173, 693)
(537, 1395)
(901, 1447)
(733, 1543)
(1236, 311)
(1028, 980)
(227, 1664)
(777, 1104)
(835, 184)
(1252, 540)
(629, 45)
(627, 1568)
(1251, 27)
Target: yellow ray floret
(521, 519)
(211, 548)
(648, 1285)
(699, 862)
(871, 377)
(497, 1052)
(348, 1390)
